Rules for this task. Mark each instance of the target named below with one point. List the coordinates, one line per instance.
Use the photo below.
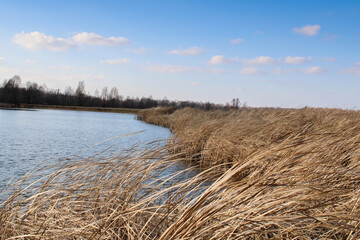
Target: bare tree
(96, 93)
(11, 88)
(69, 96)
(236, 103)
(114, 93)
(13, 82)
(104, 93)
(80, 93)
(69, 91)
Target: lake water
(28, 138)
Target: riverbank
(299, 163)
(281, 174)
(72, 108)
(228, 137)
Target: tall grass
(300, 167)
(126, 196)
(279, 174)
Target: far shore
(72, 108)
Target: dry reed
(127, 196)
(297, 170)
(283, 174)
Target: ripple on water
(28, 138)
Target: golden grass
(124, 197)
(296, 164)
(228, 137)
(282, 174)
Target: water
(28, 138)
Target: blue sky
(267, 53)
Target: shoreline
(283, 174)
(28, 107)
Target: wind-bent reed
(297, 170)
(294, 179)
(126, 197)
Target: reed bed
(299, 167)
(276, 174)
(126, 196)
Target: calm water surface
(28, 138)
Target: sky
(266, 53)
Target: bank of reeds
(299, 163)
(285, 174)
(127, 196)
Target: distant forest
(14, 92)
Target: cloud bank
(169, 69)
(187, 52)
(251, 71)
(236, 41)
(262, 60)
(38, 41)
(297, 60)
(115, 61)
(314, 70)
(220, 59)
(308, 30)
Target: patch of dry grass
(127, 196)
(284, 174)
(299, 169)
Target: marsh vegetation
(276, 174)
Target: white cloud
(262, 60)
(236, 41)
(30, 61)
(169, 69)
(220, 59)
(240, 89)
(115, 61)
(216, 60)
(37, 40)
(138, 51)
(308, 30)
(330, 59)
(251, 71)
(96, 39)
(2, 59)
(279, 71)
(314, 70)
(354, 70)
(297, 60)
(181, 69)
(187, 52)
(194, 83)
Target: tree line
(14, 92)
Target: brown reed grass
(126, 196)
(284, 174)
(299, 167)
